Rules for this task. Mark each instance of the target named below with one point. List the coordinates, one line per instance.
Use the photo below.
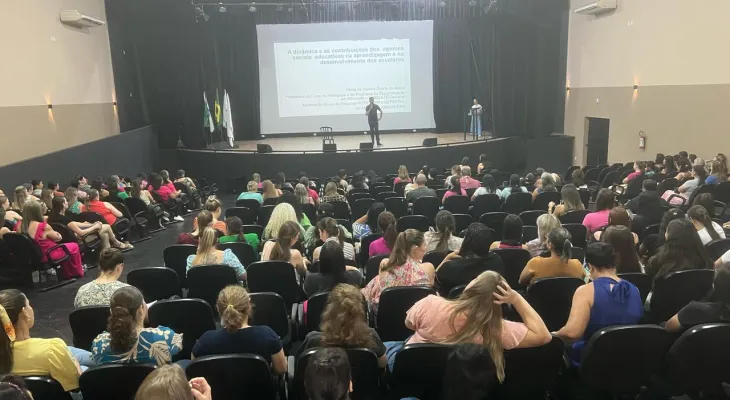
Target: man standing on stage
(372, 112)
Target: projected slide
(316, 75)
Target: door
(597, 141)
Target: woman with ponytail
(344, 324)
(386, 225)
(25, 356)
(403, 268)
(236, 336)
(329, 231)
(208, 254)
(444, 238)
(280, 249)
(706, 227)
(127, 341)
(557, 264)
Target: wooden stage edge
(350, 142)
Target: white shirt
(705, 236)
(726, 257)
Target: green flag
(207, 118)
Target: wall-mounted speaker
(263, 148)
(329, 147)
(366, 146)
(432, 141)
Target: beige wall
(46, 62)
(676, 52)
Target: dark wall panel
(554, 153)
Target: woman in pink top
(455, 189)
(403, 268)
(475, 317)
(384, 245)
(402, 175)
(598, 219)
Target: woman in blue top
(606, 301)
(127, 341)
(252, 192)
(368, 223)
(207, 254)
(514, 187)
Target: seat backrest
(641, 281)
(517, 203)
(113, 381)
(400, 187)
(543, 200)
(206, 281)
(427, 206)
(235, 376)
(365, 373)
(380, 197)
(419, 370)
(269, 309)
(484, 204)
(457, 204)
(341, 209)
(456, 291)
(574, 217)
(274, 276)
(592, 174)
(176, 258)
(45, 388)
(552, 298)
(191, 317)
(87, 323)
(495, 221)
(24, 250)
(155, 283)
(540, 366)
(372, 267)
(361, 207)
(530, 217)
(265, 213)
(397, 205)
(462, 221)
(699, 361)
(315, 306)
(514, 261)
(624, 372)
(722, 193)
(418, 222)
(435, 257)
(394, 303)
(578, 234)
(528, 233)
(247, 215)
(717, 248)
(365, 242)
(243, 251)
(677, 289)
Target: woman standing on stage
(476, 118)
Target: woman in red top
(106, 210)
(157, 185)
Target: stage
(390, 141)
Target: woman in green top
(72, 196)
(112, 185)
(234, 227)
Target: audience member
(402, 175)
(58, 215)
(466, 181)
(257, 178)
(639, 167)
(21, 196)
(46, 198)
(291, 199)
(683, 250)
(515, 186)
(115, 191)
(234, 227)
(578, 179)
(687, 188)
(3, 228)
(329, 231)
(444, 238)
(546, 223)
(545, 184)
(455, 173)
(421, 190)
(650, 169)
(605, 301)
(251, 192)
(482, 163)
(670, 166)
(707, 201)
(169, 383)
(465, 162)
(707, 229)
(622, 240)
(283, 212)
(214, 206)
(475, 317)
(303, 194)
(25, 356)
(312, 193)
(344, 324)
(511, 234)
(648, 206)
(281, 248)
(599, 218)
(36, 187)
(270, 191)
(571, 201)
(470, 373)
(722, 159)
(385, 244)
(331, 194)
(72, 195)
(236, 336)
(99, 291)
(13, 387)
(205, 220)
(488, 186)
(332, 271)
(715, 309)
(402, 268)
(342, 179)
(208, 254)
(618, 216)
(454, 190)
(473, 258)
(328, 375)
(10, 215)
(368, 223)
(557, 264)
(127, 341)
(685, 170)
(138, 191)
(167, 195)
(358, 182)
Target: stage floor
(350, 142)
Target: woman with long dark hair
(699, 175)
(515, 186)
(489, 186)
(368, 223)
(622, 240)
(559, 263)
(707, 229)
(386, 225)
(511, 234)
(444, 237)
(455, 189)
(280, 249)
(329, 230)
(683, 250)
(333, 270)
(605, 201)
(127, 341)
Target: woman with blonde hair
(402, 175)
(475, 317)
(72, 196)
(236, 336)
(302, 194)
(208, 254)
(571, 201)
(169, 383)
(546, 223)
(402, 268)
(281, 249)
(331, 194)
(270, 191)
(282, 213)
(47, 198)
(344, 324)
(21, 196)
(214, 207)
(204, 219)
(252, 192)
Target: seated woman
(571, 201)
(332, 271)
(72, 196)
(106, 210)
(167, 195)
(605, 201)
(155, 212)
(329, 231)
(12, 216)
(3, 229)
(207, 254)
(213, 205)
(303, 194)
(489, 186)
(717, 175)
(47, 198)
(578, 179)
(707, 229)
(713, 309)
(473, 258)
(58, 214)
(511, 234)
(169, 383)
(444, 239)
(331, 194)
(35, 226)
(269, 190)
(99, 291)
(358, 182)
(280, 249)
(115, 188)
(368, 223)
(385, 244)
(257, 178)
(301, 217)
(557, 264)
(181, 178)
(699, 174)
(252, 192)
(205, 219)
(622, 240)
(515, 186)
(617, 216)
(283, 213)
(475, 317)
(403, 268)
(605, 301)
(234, 226)
(546, 184)
(26, 356)
(236, 336)
(127, 341)
(402, 175)
(454, 190)
(639, 167)
(682, 250)
(311, 236)
(21, 196)
(344, 324)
